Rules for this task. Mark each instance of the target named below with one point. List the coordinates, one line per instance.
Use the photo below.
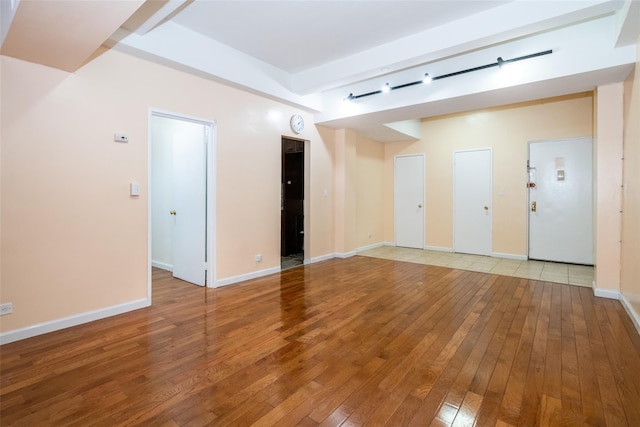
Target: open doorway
(292, 203)
(182, 196)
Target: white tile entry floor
(581, 275)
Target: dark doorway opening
(292, 203)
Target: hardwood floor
(343, 342)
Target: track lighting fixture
(428, 79)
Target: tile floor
(580, 275)
(291, 261)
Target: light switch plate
(135, 189)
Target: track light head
(386, 88)
(426, 79)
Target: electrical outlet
(6, 308)
(258, 258)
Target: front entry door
(472, 198)
(561, 201)
(409, 201)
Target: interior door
(189, 202)
(472, 198)
(409, 201)
(561, 201)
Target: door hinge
(206, 267)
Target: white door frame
(490, 205)
(211, 193)
(424, 197)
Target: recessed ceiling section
(582, 59)
(63, 34)
(295, 36)
(312, 54)
(577, 51)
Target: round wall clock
(297, 123)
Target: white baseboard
(162, 265)
(319, 258)
(635, 317)
(389, 243)
(438, 248)
(368, 247)
(67, 322)
(344, 254)
(242, 277)
(509, 256)
(606, 293)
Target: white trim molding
(438, 248)
(67, 322)
(635, 317)
(248, 276)
(509, 256)
(389, 243)
(319, 258)
(162, 265)
(345, 254)
(369, 247)
(606, 293)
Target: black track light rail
(499, 63)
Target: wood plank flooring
(358, 341)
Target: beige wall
(73, 240)
(608, 179)
(507, 130)
(369, 202)
(344, 189)
(630, 277)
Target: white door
(472, 198)
(409, 201)
(561, 201)
(189, 203)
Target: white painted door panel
(472, 202)
(189, 197)
(409, 201)
(561, 202)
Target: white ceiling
(295, 36)
(312, 54)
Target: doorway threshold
(291, 261)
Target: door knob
(172, 212)
(419, 205)
(486, 208)
(534, 206)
